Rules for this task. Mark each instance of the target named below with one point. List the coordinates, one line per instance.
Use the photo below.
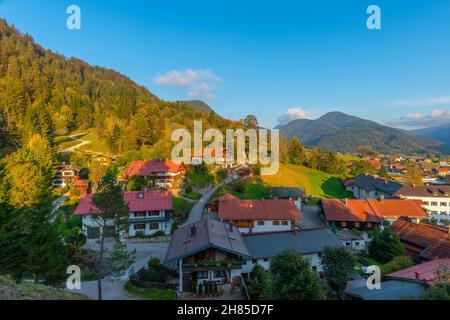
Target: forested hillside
(46, 93)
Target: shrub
(397, 263)
(153, 262)
(154, 276)
(159, 233)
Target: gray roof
(267, 245)
(424, 191)
(390, 290)
(209, 234)
(369, 182)
(287, 193)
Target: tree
(258, 281)
(338, 266)
(382, 172)
(295, 151)
(291, 278)
(414, 175)
(250, 122)
(112, 212)
(385, 246)
(362, 166)
(29, 173)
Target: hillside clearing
(317, 183)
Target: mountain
(42, 92)
(440, 133)
(345, 133)
(199, 105)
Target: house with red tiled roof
(163, 173)
(429, 273)
(252, 216)
(423, 241)
(365, 214)
(149, 213)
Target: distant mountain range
(440, 133)
(345, 133)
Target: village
(212, 250)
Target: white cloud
(200, 83)
(428, 102)
(419, 120)
(294, 114)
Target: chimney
(417, 275)
(193, 230)
(381, 198)
(346, 202)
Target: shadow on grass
(333, 188)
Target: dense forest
(43, 92)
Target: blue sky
(264, 57)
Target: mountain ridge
(346, 133)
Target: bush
(397, 263)
(159, 233)
(153, 276)
(153, 262)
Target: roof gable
(138, 201)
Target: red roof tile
(349, 210)
(371, 210)
(434, 240)
(139, 201)
(232, 208)
(426, 272)
(147, 168)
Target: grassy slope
(9, 290)
(318, 184)
(150, 293)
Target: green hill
(346, 134)
(46, 93)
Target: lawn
(317, 183)
(150, 293)
(200, 179)
(97, 144)
(251, 189)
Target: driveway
(310, 218)
(144, 251)
(197, 211)
(111, 290)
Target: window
(266, 259)
(202, 275)
(154, 226)
(139, 214)
(276, 223)
(356, 224)
(434, 203)
(443, 204)
(284, 223)
(369, 225)
(348, 244)
(343, 224)
(254, 261)
(261, 223)
(139, 226)
(153, 213)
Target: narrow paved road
(197, 211)
(75, 137)
(58, 202)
